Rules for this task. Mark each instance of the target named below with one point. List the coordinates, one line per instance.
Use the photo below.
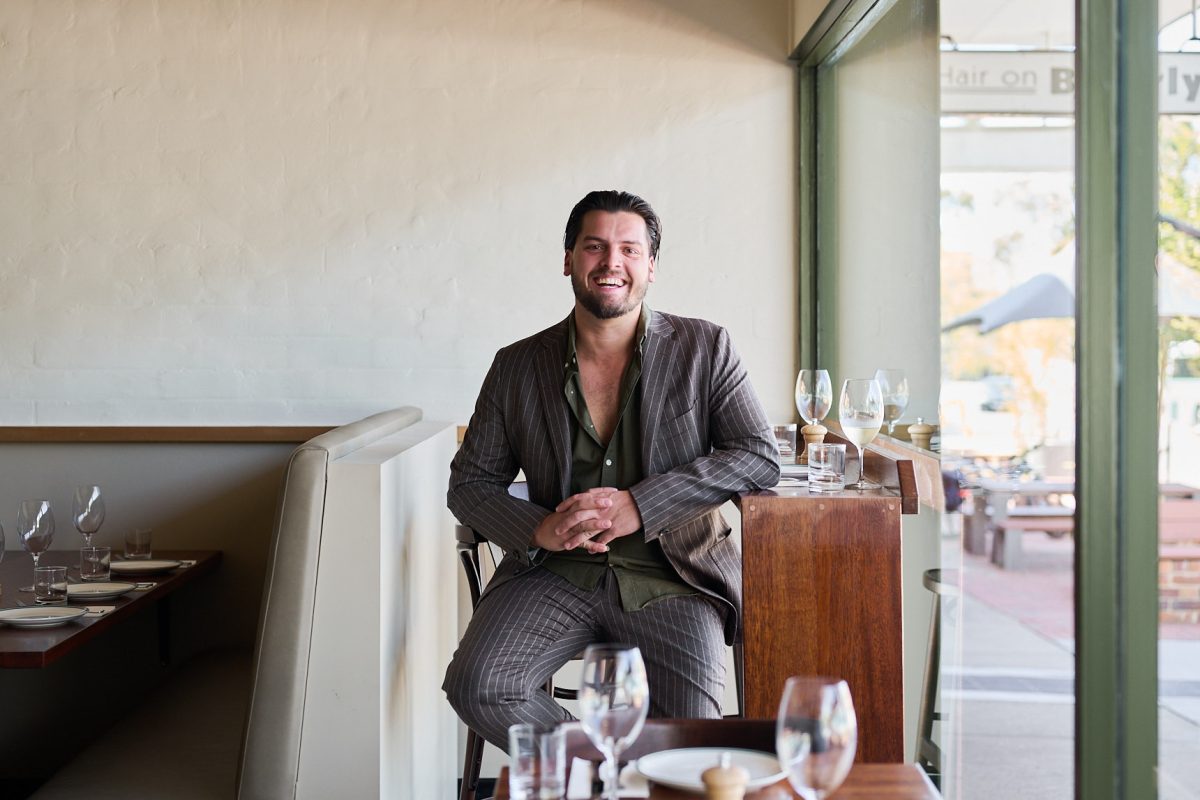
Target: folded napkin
(583, 774)
(187, 562)
(97, 611)
(142, 586)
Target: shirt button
(608, 462)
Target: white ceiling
(1029, 23)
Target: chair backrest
(271, 744)
(666, 734)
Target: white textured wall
(220, 211)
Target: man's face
(610, 266)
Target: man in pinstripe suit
(632, 427)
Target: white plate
(148, 567)
(680, 769)
(40, 617)
(83, 592)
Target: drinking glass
(88, 512)
(861, 415)
(816, 735)
(894, 386)
(814, 394)
(614, 698)
(35, 529)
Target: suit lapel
(657, 360)
(549, 376)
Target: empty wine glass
(861, 415)
(35, 529)
(814, 394)
(614, 698)
(894, 386)
(816, 735)
(89, 512)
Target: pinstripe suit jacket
(705, 437)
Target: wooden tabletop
(38, 647)
(866, 782)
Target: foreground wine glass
(816, 735)
(894, 386)
(861, 415)
(89, 512)
(35, 529)
(814, 394)
(613, 701)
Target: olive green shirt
(641, 568)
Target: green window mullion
(1117, 549)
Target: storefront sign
(1044, 82)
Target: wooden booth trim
(160, 434)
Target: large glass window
(1008, 396)
(1179, 404)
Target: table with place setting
(35, 636)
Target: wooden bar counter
(822, 596)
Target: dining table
(32, 648)
(865, 782)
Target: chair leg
(472, 763)
(739, 677)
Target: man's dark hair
(612, 202)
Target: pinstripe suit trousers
(528, 627)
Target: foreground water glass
(614, 698)
(537, 767)
(137, 544)
(816, 735)
(95, 563)
(50, 586)
(826, 467)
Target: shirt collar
(643, 331)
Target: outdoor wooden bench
(1006, 541)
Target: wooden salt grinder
(920, 433)
(725, 782)
(813, 434)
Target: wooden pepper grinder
(920, 433)
(813, 434)
(725, 781)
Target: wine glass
(35, 529)
(894, 386)
(614, 698)
(89, 512)
(814, 394)
(861, 414)
(816, 735)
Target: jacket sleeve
(484, 468)
(741, 454)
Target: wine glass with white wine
(614, 698)
(894, 386)
(861, 415)
(814, 395)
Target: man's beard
(610, 309)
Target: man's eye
(633, 251)
(592, 247)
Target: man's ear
(567, 262)
(650, 272)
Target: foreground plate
(680, 769)
(148, 567)
(83, 592)
(41, 617)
